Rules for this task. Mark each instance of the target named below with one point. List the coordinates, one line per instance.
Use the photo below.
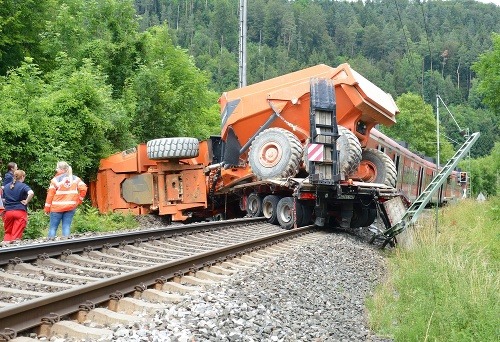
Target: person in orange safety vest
(66, 192)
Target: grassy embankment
(87, 219)
(445, 287)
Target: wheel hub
(270, 154)
(367, 171)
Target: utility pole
(243, 44)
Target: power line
(410, 58)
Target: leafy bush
(38, 224)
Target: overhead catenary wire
(410, 58)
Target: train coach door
(420, 180)
(399, 175)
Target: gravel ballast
(315, 293)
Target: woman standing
(66, 192)
(17, 195)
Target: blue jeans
(55, 218)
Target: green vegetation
(82, 79)
(445, 287)
(87, 219)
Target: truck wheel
(363, 216)
(285, 213)
(269, 208)
(165, 148)
(377, 167)
(349, 152)
(275, 152)
(306, 214)
(254, 205)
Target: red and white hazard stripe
(315, 152)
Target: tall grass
(445, 287)
(87, 219)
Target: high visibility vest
(65, 194)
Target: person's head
(63, 167)
(19, 176)
(11, 167)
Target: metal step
(324, 131)
(416, 208)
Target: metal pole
(243, 44)
(437, 161)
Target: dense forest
(81, 79)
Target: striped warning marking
(315, 152)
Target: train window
(396, 162)
(382, 149)
(463, 177)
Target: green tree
(68, 114)
(21, 24)
(488, 73)
(102, 31)
(168, 93)
(416, 125)
(485, 172)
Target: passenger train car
(414, 172)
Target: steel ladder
(416, 208)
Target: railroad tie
(132, 305)
(79, 331)
(107, 317)
(251, 259)
(179, 288)
(221, 270)
(195, 281)
(156, 296)
(210, 276)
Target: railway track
(71, 281)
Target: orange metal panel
(357, 99)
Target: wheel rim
(252, 205)
(270, 154)
(286, 214)
(267, 210)
(367, 171)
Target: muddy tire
(286, 214)
(363, 216)
(167, 148)
(254, 205)
(275, 153)
(382, 167)
(269, 208)
(349, 152)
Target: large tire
(167, 148)
(269, 208)
(286, 214)
(382, 168)
(306, 214)
(254, 205)
(275, 153)
(363, 216)
(349, 152)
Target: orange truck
(292, 149)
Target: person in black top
(9, 176)
(17, 195)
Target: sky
(496, 2)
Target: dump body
(360, 104)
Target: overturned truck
(291, 149)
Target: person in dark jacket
(17, 195)
(9, 176)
